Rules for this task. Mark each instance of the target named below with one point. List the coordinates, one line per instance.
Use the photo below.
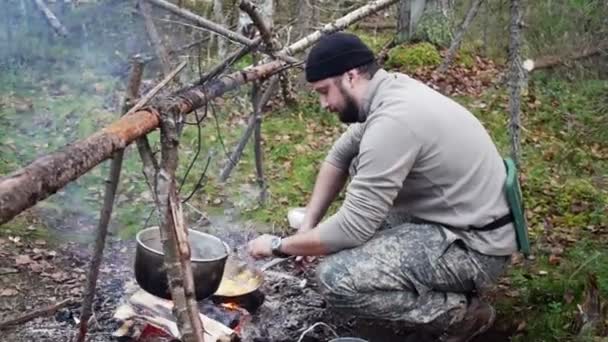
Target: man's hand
(260, 247)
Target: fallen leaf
(554, 260)
(58, 276)
(36, 267)
(521, 326)
(557, 251)
(8, 292)
(517, 258)
(22, 260)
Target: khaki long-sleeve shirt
(420, 153)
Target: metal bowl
(208, 258)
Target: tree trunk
(468, 19)
(155, 38)
(516, 76)
(304, 18)
(404, 30)
(218, 13)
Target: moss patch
(411, 57)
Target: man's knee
(334, 280)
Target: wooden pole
(106, 210)
(235, 156)
(175, 246)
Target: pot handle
(314, 326)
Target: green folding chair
(515, 200)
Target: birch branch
(340, 24)
(202, 22)
(51, 18)
(249, 8)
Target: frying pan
(241, 279)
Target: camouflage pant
(412, 273)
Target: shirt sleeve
(346, 147)
(387, 151)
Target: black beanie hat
(335, 54)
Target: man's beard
(350, 113)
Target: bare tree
(404, 29)
(468, 19)
(516, 76)
(218, 13)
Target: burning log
(46, 175)
(51, 18)
(149, 309)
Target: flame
(231, 306)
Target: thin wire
(219, 134)
(199, 183)
(198, 151)
(316, 325)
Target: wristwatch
(275, 247)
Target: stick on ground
(48, 310)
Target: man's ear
(351, 75)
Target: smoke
(55, 90)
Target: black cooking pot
(208, 258)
